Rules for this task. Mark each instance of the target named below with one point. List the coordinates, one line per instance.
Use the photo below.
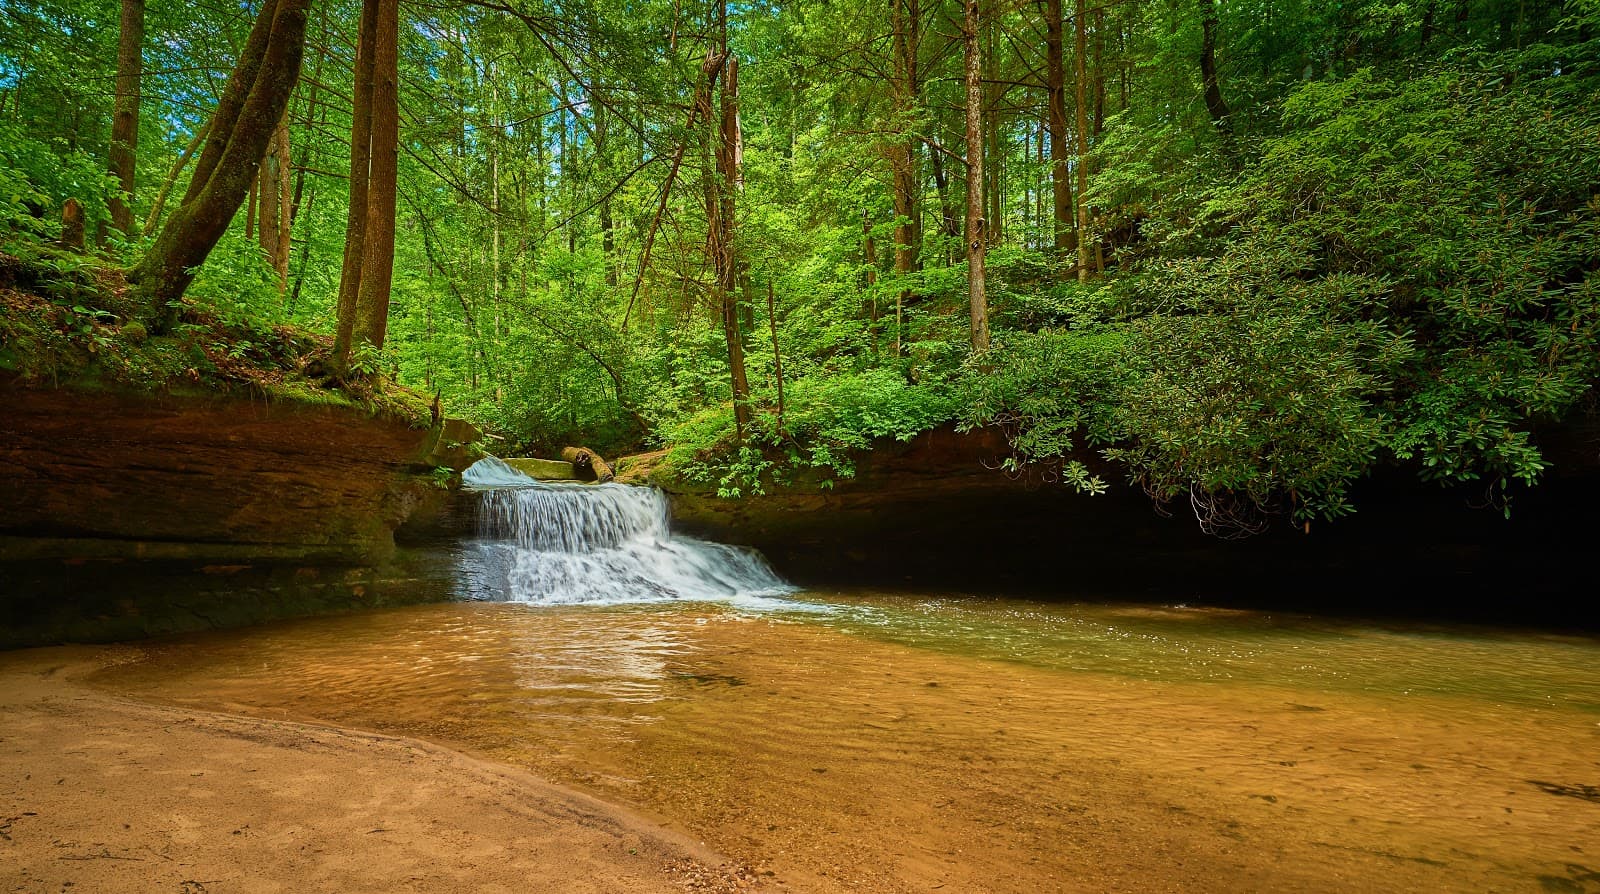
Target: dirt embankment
(103, 794)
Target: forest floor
(100, 793)
(68, 321)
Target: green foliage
(827, 420)
(1390, 255)
(237, 285)
(1264, 396)
(36, 178)
(1051, 392)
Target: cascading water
(594, 543)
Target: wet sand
(105, 794)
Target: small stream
(870, 742)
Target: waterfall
(594, 543)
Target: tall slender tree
(360, 165)
(976, 235)
(274, 206)
(1081, 89)
(377, 250)
(125, 114)
(905, 19)
(730, 175)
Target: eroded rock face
(938, 514)
(156, 508)
(96, 475)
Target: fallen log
(588, 463)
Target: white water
(555, 544)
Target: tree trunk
(265, 192)
(994, 170)
(587, 462)
(250, 210)
(1208, 69)
(360, 165)
(975, 235)
(950, 222)
(273, 210)
(1080, 48)
(377, 255)
(72, 224)
(777, 355)
(125, 117)
(869, 252)
(241, 128)
(608, 236)
(1056, 98)
(286, 205)
(316, 118)
(905, 23)
(869, 248)
(730, 168)
(494, 203)
(1099, 71)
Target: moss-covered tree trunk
(275, 204)
(237, 138)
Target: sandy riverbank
(99, 793)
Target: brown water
(890, 744)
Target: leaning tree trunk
(219, 131)
(125, 117)
(976, 235)
(237, 139)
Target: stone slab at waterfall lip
(543, 469)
